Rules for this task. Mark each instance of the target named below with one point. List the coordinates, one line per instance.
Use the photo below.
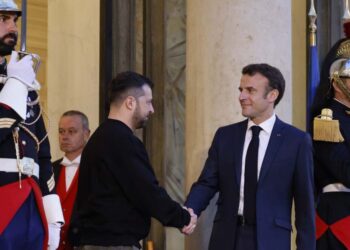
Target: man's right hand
(193, 222)
(22, 70)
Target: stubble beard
(139, 121)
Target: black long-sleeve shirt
(118, 192)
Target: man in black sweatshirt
(118, 192)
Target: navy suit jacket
(286, 174)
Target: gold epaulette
(327, 129)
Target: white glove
(22, 70)
(54, 235)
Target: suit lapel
(239, 143)
(275, 141)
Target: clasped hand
(187, 230)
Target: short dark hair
(127, 83)
(83, 117)
(274, 76)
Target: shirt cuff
(53, 209)
(14, 94)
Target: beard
(139, 120)
(7, 47)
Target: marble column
(222, 37)
(174, 105)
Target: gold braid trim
(344, 49)
(36, 119)
(19, 165)
(31, 134)
(327, 129)
(342, 86)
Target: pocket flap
(283, 223)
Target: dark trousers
(245, 238)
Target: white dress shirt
(264, 138)
(71, 169)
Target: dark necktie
(251, 177)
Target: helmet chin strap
(341, 85)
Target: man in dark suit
(258, 166)
(73, 133)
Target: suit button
(63, 242)
(24, 143)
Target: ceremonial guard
(331, 135)
(30, 211)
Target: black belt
(242, 221)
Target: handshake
(187, 230)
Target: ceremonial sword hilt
(35, 57)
